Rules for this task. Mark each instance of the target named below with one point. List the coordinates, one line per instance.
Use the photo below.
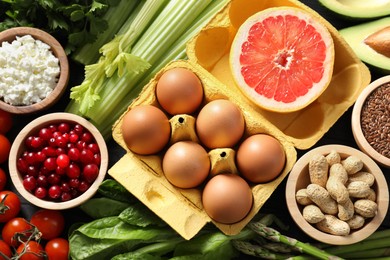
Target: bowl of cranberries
(58, 161)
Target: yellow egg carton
(208, 55)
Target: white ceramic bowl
(18, 147)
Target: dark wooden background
(340, 133)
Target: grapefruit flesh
(282, 58)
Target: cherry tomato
(31, 250)
(9, 205)
(49, 222)
(14, 227)
(57, 249)
(5, 250)
(6, 121)
(3, 179)
(5, 147)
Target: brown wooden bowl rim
(17, 147)
(356, 235)
(58, 51)
(356, 123)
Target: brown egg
(146, 129)
(186, 164)
(179, 91)
(227, 198)
(260, 158)
(220, 124)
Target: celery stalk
(116, 17)
(121, 57)
(178, 51)
(174, 19)
(115, 56)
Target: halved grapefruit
(282, 58)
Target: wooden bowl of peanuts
(337, 194)
(371, 121)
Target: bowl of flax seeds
(371, 121)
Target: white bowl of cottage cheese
(34, 70)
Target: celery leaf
(98, 7)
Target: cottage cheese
(29, 71)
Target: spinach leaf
(115, 228)
(139, 215)
(136, 256)
(103, 207)
(211, 246)
(106, 237)
(152, 251)
(86, 248)
(110, 188)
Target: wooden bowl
(18, 147)
(299, 178)
(356, 121)
(9, 35)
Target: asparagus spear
(256, 250)
(276, 236)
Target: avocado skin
(355, 36)
(355, 10)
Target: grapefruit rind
(300, 100)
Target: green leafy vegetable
(75, 23)
(97, 207)
(119, 18)
(112, 189)
(140, 216)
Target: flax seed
(375, 119)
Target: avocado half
(356, 35)
(358, 9)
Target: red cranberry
(87, 137)
(50, 163)
(45, 134)
(64, 127)
(86, 156)
(42, 181)
(40, 193)
(90, 172)
(65, 196)
(22, 165)
(73, 171)
(29, 183)
(54, 178)
(49, 151)
(74, 154)
(83, 187)
(54, 192)
(63, 160)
